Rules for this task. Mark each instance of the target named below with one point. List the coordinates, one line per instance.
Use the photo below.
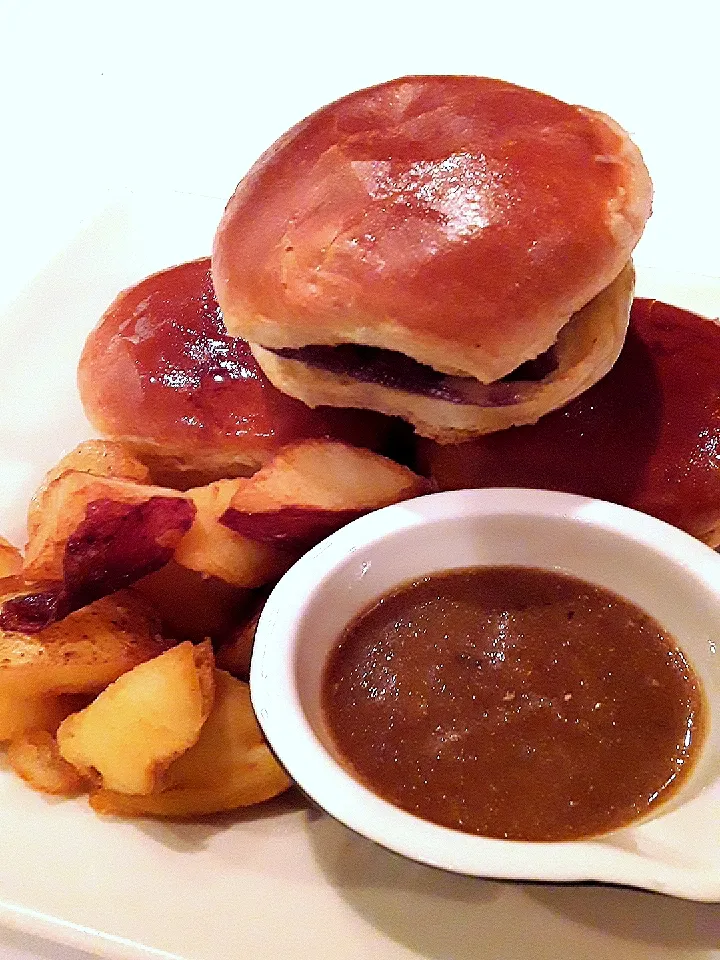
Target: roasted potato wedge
(10, 559)
(115, 544)
(311, 489)
(230, 766)
(83, 653)
(35, 757)
(330, 475)
(20, 712)
(206, 547)
(65, 505)
(235, 651)
(98, 458)
(143, 721)
(192, 605)
(212, 549)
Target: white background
(97, 97)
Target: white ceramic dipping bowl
(667, 573)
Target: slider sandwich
(452, 250)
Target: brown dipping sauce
(513, 702)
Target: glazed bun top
(458, 220)
(160, 373)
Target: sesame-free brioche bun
(160, 374)
(460, 222)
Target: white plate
(285, 882)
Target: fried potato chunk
(35, 757)
(10, 559)
(20, 712)
(115, 545)
(206, 547)
(311, 489)
(249, 531)
(229, 767)
(212, 549)
(137, 726)
(192, 605)
(65, 505)
(82, 653)
(98, 458)
(331, 475)
(235, 651)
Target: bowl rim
(275, 697)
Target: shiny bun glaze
(160, 373)
(646, 436)
(458, 220)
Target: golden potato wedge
(98, 458)
(214, 550)
(229, 767)
(35, 757)
(143, 721)
(111, 545)
(20, 712)
(330, 475)
(11, 560)
(64, 506)
(235, 651)
(313, 488)
(192, 605)
(82, 653)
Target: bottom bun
(585, 350)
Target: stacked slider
(453, 250)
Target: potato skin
(84, 652)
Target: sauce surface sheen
(515, 703)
